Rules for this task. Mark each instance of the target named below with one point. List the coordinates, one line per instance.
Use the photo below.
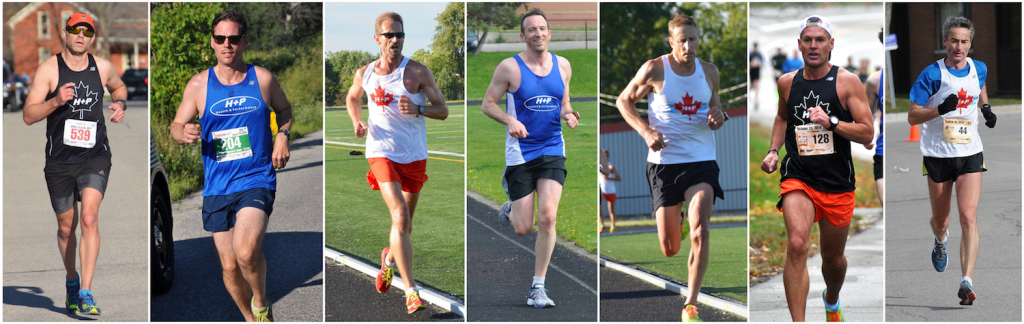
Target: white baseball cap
(816, 21)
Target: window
(64, 16)
(44, 53)
(43, 25)
(943, 10)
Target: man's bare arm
(283, 109)
(118, 91)
(567, 112)
(861, 130)
(353, 103)
(716, 117)
(36, 105)
(638, 88)
(498, 87)
(438, 108)
(771, 159)
(182, 129)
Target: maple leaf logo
(800, 112)
(688, 106)
(963, 100)
(84, 99)
(381, 97)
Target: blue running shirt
(538, 105)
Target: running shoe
(386, 273)
(265, 314)
(504, 213)
(71, 299)
(832, 315)
(600, 229)
(690, 314)
(966, 293)
(939, 254)
(611, 230)
(413, 301)
(539, 297)
(86, 304)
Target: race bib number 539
(80, 133)
(232, 144)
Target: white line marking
(728, 306)
(364, 145)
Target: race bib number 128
(79, 133)
(232, 144)
(814, 139)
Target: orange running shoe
(690, 314)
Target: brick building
(565, 14)
(33, 34)
(997, 41)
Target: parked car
(161, 243)
(15, 89)
(472, 41)
(137, 81)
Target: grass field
(726, 274)
(903, 102)
(481, 69)
(357, 219)
(767, 227)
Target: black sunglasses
(400, 35)
(78, 30)
(219, 39)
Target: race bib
(957, 131)
(813, 139)
(232, 144)
(79, 133)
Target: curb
(725, 305)
(440, 299)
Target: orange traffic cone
(915, 135)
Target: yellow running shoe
(690, 314)
(413, 302)
(265, 314)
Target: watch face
(834, 120)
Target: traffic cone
(915, 135)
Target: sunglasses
(78, 30)
(219, 39)
(400, 35)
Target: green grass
(903, 102)
(767, 227)
(357, 219)
(584, 72)
(577, 210)
(726, 274)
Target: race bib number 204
(80, 133)
(232, 144)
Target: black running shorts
(669, 181)
(521, 180)
(946, 169)
(65, 182)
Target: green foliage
(341, 68)
(584, 72)
(270, 26)
(446, 57)
(632, 33)
(482, 16)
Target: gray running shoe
(504, 212)
(539, 297)
(966, 293)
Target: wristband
(773, 150)
(421, 109)
(577, 114)
(124, 104)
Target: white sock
(967, 279)
(387, 257)
(538, 280)
(416, 289)
(944, 240)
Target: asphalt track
(33, 273)
(351, 297)
(625, 298)
(293, 247)
(914, 290)
(499, 269)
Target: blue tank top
(538, 105)
(236, 137)
(881, 118)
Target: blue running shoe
(504, 212)
(966, 293)
(939, 254)
(86, 304)
(71, 299)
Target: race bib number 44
(957, 131)
(814, 139)
(232, 144)
(80, 133)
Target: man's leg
(669, 220)
(701, 198)
(549, 193)
(66, 242)
(880, 187)
(798, 212)
(247, 243)
(522, 215)
(233, 280)
(833, 258)
(968, 191)
(90, 249)
(939, 194)
(401, 226)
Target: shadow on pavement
(307, 165)
(33, 297)
(198, 292)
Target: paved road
(293, 247)
(861, 296)
(625, 298)
(33, 272)
(499, 271)
(352, 298)
(914, 290)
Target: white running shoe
(539, 297)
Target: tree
(342, 66)
(482, 16)
(446, 57)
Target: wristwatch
(726, 116)
(834, 121)
(286, 133)
(421, 109)
(124, 104)
(773, 150)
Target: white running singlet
(680, 112)
(401, 138)
(962, 121)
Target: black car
(137, 81)
(161, 223)
(15, 89)
(472, 41)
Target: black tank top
(87, 106)
(830, 172)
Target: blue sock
(832, 307)
(83, 292)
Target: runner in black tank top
(827, 172)
(86, 106)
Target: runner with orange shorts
(822, 108)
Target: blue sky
(349, 26)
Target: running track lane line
(434, 297)
(725, 305)
(551, 264)
(364, 145)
